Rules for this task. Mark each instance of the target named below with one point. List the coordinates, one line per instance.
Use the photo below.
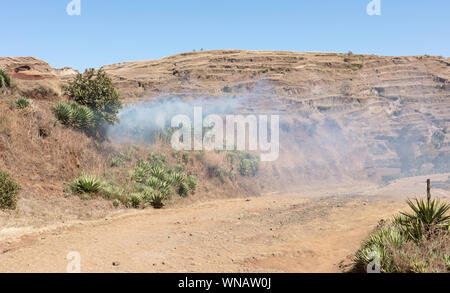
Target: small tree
(8, 191)
(94, 89)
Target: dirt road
(273, 233)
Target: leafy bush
(8, 192)
(116, 203)
(21, 103)
(249, 165)
(86, 184)
(94, 89)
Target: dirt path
(301, 232)
(278, 233)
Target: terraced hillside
(291, 76)
(344, 116)
(351, 115)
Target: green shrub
(180, 168)
(95, 90)
(157, 160)
(142, 171)
(249, 167)
(183, 189)
(8, 191)
(135, 200)
(177, 178)
(158, 179)
(247, 164)
(116, 203)
(354, 67)
(157, 200)
(380, 246)
(159, 172)
(110, 191)
(21, 103)
(86, 184)
(192, 183)
(222, 174)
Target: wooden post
(428, 190)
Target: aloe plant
(22, 103)
(86, 184)
(428, 212)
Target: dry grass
(426, 256)
(38, 151)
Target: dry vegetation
(56, 171)
(415, 242)
(45, 155)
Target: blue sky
(111, 31)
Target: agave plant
(183, 189)
(427, 213)
(135, 200)
(63, 112)
(82, 117)
(157, 200)
(378, 247)
(159, 173)
(21, 103)
(154, 182)
(86, 184)
(177, 178)
(142, 171)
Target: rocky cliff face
(36, 78)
